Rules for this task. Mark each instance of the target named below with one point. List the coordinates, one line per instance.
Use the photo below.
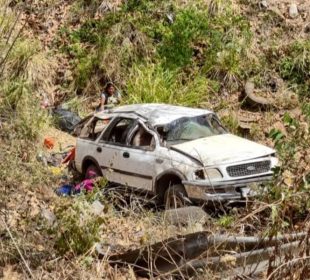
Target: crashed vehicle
(176, 153)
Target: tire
(92, 168)
(175, 197)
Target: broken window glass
(187, 129)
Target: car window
(187, 129)
(141, 138)
(118, 133)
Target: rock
(48, 216)
(99, 249)
(263, 4)
(185, 215)
(97, 207)
(293, 10)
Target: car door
(139, 158)
(123, 162)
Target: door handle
(99, 149)
(126, 155)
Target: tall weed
(153, 83)
(26, 73)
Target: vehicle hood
(223, 149)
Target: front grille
(249, 168)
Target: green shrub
(85, 69)
(295, 66)
(152, 83)
(77, 227)
(226, 221)
(177, 44)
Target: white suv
(177, 153)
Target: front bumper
(223, 190)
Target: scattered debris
(55, 170)
(64, 190)
(66, 120)
(97, 207)
(70, 156)
(57, 158)
(49, 142)
(86, 185)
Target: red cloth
(70, 156)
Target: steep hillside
(208, 54)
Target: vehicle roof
(154, 113)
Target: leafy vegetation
(295, 66)
(186, 41)
(78, 227)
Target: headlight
(213, 174)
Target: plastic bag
(66, 120)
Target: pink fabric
(87, 184)
(91, 174)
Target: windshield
(187, 129)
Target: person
(109, 97)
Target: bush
(153, 84)
(77, 228)
(295, 66)
(177, 44)
(291, 184)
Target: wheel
(175, 197)
(92, 171)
